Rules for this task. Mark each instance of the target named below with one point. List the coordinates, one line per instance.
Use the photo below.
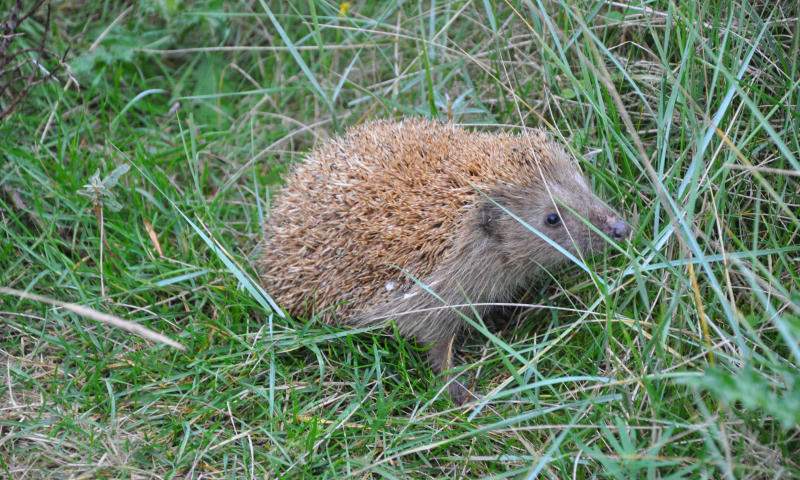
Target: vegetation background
(679, 358)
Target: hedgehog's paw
(460, 393)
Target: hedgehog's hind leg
(497, 319)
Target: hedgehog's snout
(616, 228)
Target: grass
(686, 365)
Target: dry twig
(23, 69)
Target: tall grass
(685, 364)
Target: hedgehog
(422, 223)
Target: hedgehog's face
(564, 216)
(560, 211)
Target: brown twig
(12, 63)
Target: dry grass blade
(101, 317)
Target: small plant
(99, 191)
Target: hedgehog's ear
(489, 213)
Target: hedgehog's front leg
(440, 356)
(436, 324)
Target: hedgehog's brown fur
(391, 201)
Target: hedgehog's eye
(553, 219)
